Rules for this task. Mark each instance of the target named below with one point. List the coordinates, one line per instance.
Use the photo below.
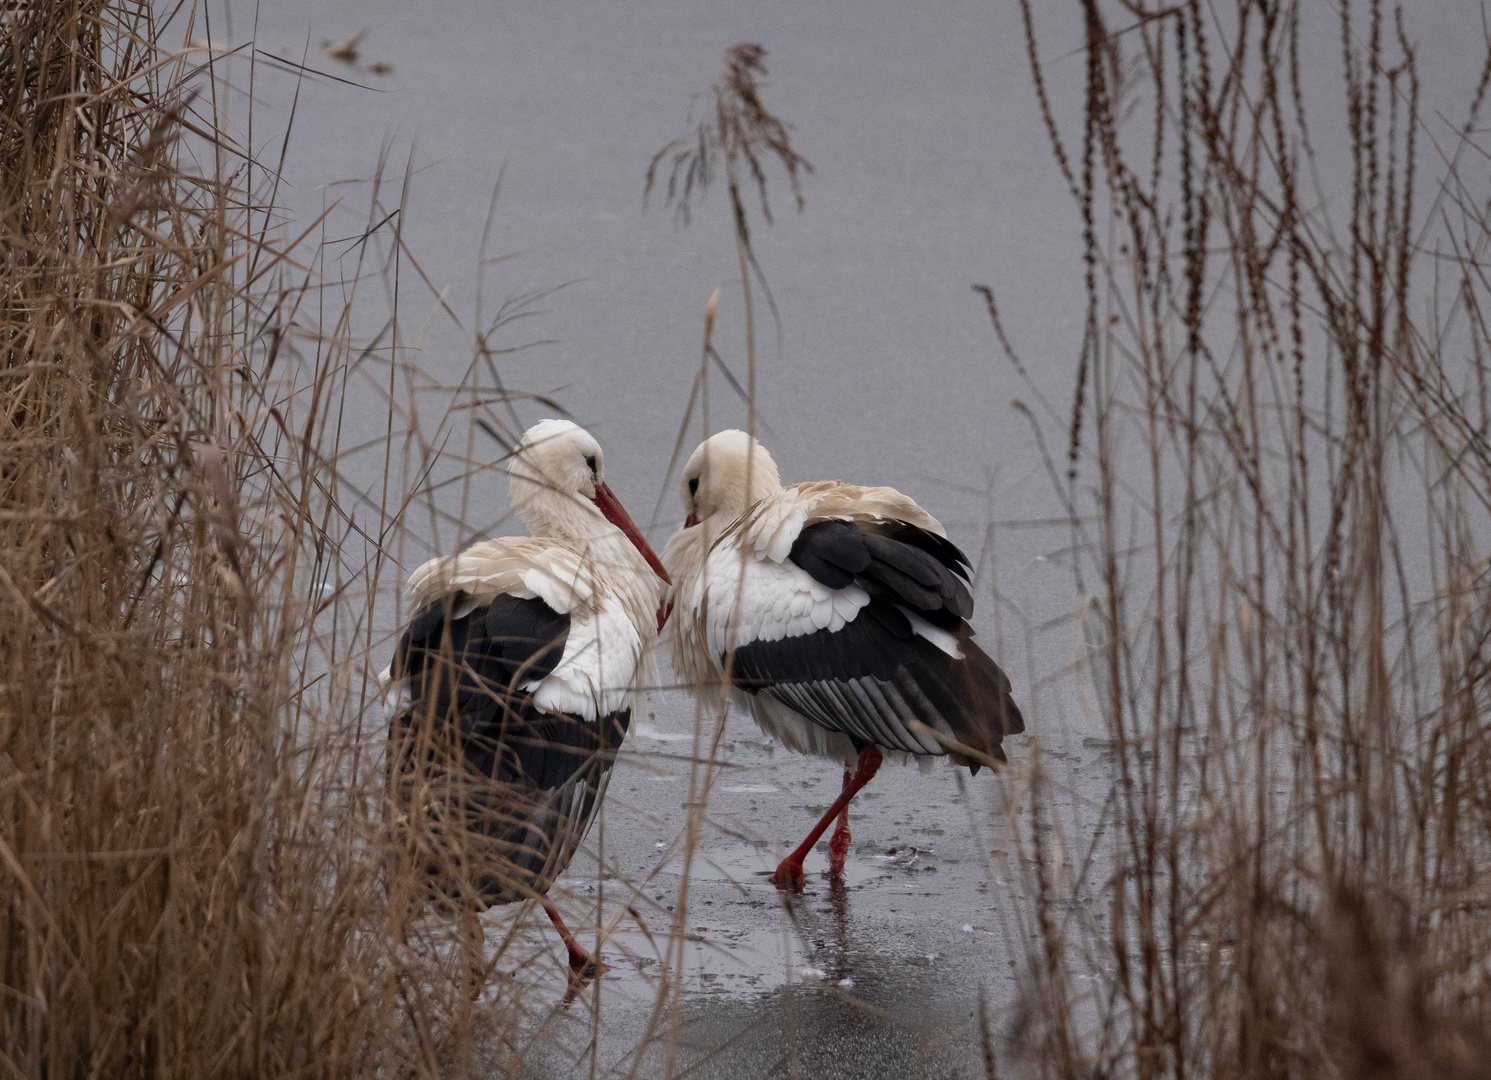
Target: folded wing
(497, 785)
(862, 629)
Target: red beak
(616, 515)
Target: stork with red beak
(514, 684)
(838, 616)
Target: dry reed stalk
(1281, 484)
(737, 140)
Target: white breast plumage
(776, 600)
(598, 671)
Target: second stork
(838, 615)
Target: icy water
(932, 172)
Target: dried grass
(1278, 488)
(192, 879)
(1277, 481)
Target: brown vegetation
(191, 872)
(1279, 477)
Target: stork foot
(789, 874)
(583, 966)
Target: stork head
(555, 482)
(727, 473)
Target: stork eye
(693, 487)
(590, 464)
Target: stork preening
(838, 615)
(514, 685)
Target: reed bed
(1277, 476)
(192, 871)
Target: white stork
(514, 684)
(838, 615)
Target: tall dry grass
(192, 880)
(1278, 479)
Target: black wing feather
(909, 560)
(531, 634)
(494, 792)
(885, 578)
(939, 547)
(925, 572)
(835, 577)
(875, 678)
(838, 543)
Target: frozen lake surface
(932, 172)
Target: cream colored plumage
(761, 518)
(729, 472)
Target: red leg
(838, 844)
(789, 872)
(581, 963)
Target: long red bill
(611, 507)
